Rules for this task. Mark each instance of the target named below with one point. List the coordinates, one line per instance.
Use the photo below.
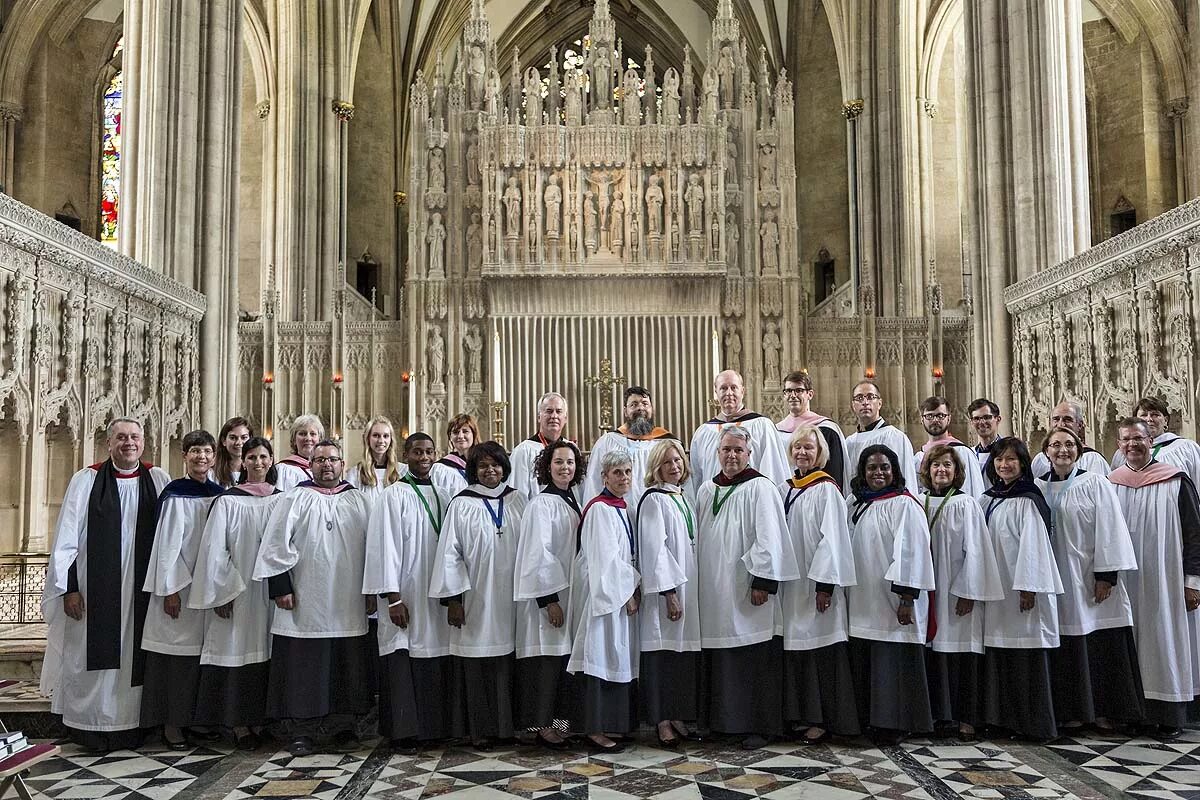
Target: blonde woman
(670, 621)
(379, 468)
(293, 470)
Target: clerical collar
(744, 476)
(341, 487)
(120, 473)
(655, 433)
(742, 416)
(874, 426)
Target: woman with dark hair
(236, 657)
(231, 443)
(966, 574)
(1094, 672)
(1021, 629)
(889, 612)
(544, 555)
(473, 577)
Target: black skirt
(233, 696)
(818, 689)
(1097, 676)
(891, 688)
(669, 686)
(169, 690)
(955, 686)
(313, 678)
(1017, 691)
(398, 715)
(439, 696)
(543, 691)
(487, 688)
(606, 707)
(742, 689)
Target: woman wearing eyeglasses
(1094, 672)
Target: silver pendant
(329, 525)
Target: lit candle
(412, 400)
(716, 353)
(497, 384)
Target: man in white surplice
(1167, 448)
(1069, 415)
(766, 450)
(935, 419)
(638, 435)
(866, 402)
(552, 420)
(93, 601)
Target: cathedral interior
(422, 208)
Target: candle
(412, 400)
(716, 353)
(497, 383)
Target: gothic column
(1026, 101)
(180, 166)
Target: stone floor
(1083, 768)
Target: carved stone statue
(732, 245)
(573, 235)
(631, 104)
(473, 344)
(766, 166)
(654, 204)
(476, 60)
(533, 97)
(725, 71)
(617, 223)
(553, 198)
(590, 222)
(674, 237)
(437, 170)
(573, 103)
(512, 206)
(695, 202)
(436, 236)
(474, 243)
(731, 157)
(733, 347)
(531, 236)
(494, 97)
(602, 80)
(714, 228)
(769, 232)
(472, 164)
(436, 349)
(708, 91)
(633, 236)
(670, 96)
(491, 237)
(771, 347)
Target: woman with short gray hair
(306, 431)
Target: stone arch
(946, 22)
(1168, 39)
(257, 41)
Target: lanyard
(436, 522)
(682, 505)
(498, 519)
(719, 501)
(941, 508)
(791, 499)
(629, 533)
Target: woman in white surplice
(549, 530)
(473, 576)
(604, 598)
(669, 682)
(379, 467)
(236, 657)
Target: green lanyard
(941, 508)
(436, 522)
(719, 501)
(682, 505)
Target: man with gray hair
(312, 556)
(766, 451)
(93, 600)
(551, 419)
(1069, 415)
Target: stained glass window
(110, 156)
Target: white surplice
(476, 558)
(766, 452)
(1166, 645)
(1026, 563)
(890, 540)
(1089, 461)
(443, 476)
(823, 424)
(96, 700)
(545, 550)
(224, 573)
(745, 538)
(603, 579)
(289, 476)
(890, 436)
(321, 540)
(820, 535)
(1090, 536)
(523, 460)
(172, 563)
(371, 492)
(964, 565)
(1171, 448)
(638, 448)
(667, 528)
(402, 544)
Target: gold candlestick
(498, 421)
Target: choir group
(773, 579)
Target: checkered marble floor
(918, 770)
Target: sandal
(613, 747)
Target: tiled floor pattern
(919, 770)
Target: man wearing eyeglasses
(985, 420)
(1163, 512)
(1070, 416)
(935, 418)
(312, 557)
(1166, 447)
(866, 403)
(798, 393)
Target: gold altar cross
(604, 383)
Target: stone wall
(251, 269)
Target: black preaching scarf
(104, 612)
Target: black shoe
(887, 738)
(202, 736)
(1166, 733)
(541, 739)
(754, 742)
(346, 742)
(248, 743)
(405, 747)
(301, 746)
